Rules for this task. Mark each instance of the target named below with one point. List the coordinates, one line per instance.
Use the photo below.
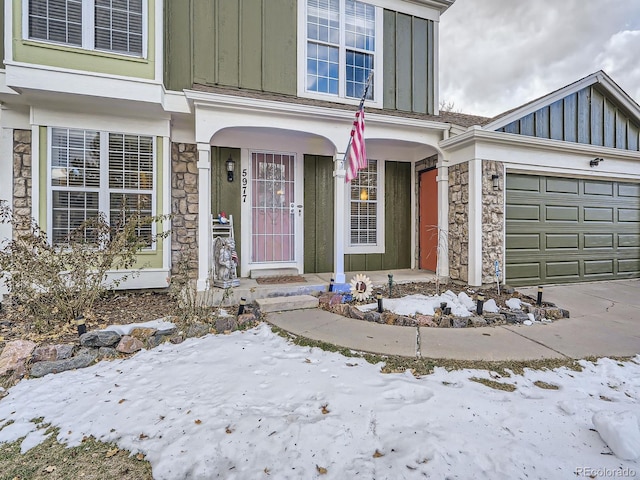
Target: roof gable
(593, 110)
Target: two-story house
(245, 107)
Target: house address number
(245, 181)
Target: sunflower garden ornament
(361, 287)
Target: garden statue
(225, 262)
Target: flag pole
(364, 96)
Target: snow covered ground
(250, 405)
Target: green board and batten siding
(235, 43)
(225, 195)
(318, 224)
(587, 116)
(570, 229)
(252, 44)
(408, 52)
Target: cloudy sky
(498, 54)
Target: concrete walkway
(605, 321)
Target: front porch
(250, 289)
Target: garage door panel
(598, 241)
(562, 185)
(629, 240)
(629, 215)
(570, 269)
(523, 242)
(564, 241)
(561, 213)
(630, 266)
(629, 190)
(598, 188)
(566, 229)
(592, 214)
(598, 267)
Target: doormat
(280, 279)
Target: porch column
(443, 221)
(204, 215)
(339, 174)
(475, 222)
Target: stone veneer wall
(422, 165)
(184, 207)
(22, 183)
(492, 220)
(459, 222)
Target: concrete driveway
(605, 319)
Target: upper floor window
(341, 47)
(109, 25)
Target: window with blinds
(93, 172)
(364, 206)
(109, 25)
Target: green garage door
(571, 230)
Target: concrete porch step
(281, 304)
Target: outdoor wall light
(231, 165)
(595, 162)
(496, 181)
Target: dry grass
(505, 387)
(92, 460)
(545, 385)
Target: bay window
(91, 172)
(109, 25)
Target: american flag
(357, 151)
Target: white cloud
(498, 54)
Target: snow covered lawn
(251, 405)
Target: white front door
(276, 210)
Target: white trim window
(91, 172)
(366, 210)
(108, 25)
(342, 44)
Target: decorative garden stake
(361, 287)
(80, 324)
(390, 282)
(331, 285)
(496, 264)
(480, 304)
(379, 296)
(539, 302)
(243, 302)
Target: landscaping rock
(476, 321)
(389, 318)
(142, 333)
(373, 317)
(554, 313)
(41, 369)
(425, 321)
(246, 319)
(91, 352)
(14, 356)
(99, 338)
(341, 309)
(565, 313)
(508, 289)
(406, 321)
(50, 353)
(128, 344)
(445, 322)
(202, 329)
(176, 339)
(223, 324)
(336, 299)
(515, 316)
(494, 318)
(107, 352)
(460, 322)
(325, 298)
(355, 312)
(154, 340)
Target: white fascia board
(478, 135)
(255, 106)
(175, 102)
(620, 95)
(156, 126)
(3, 84)
(543, 102)
(39, 77)
(427, 9)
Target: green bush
(57, 283)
